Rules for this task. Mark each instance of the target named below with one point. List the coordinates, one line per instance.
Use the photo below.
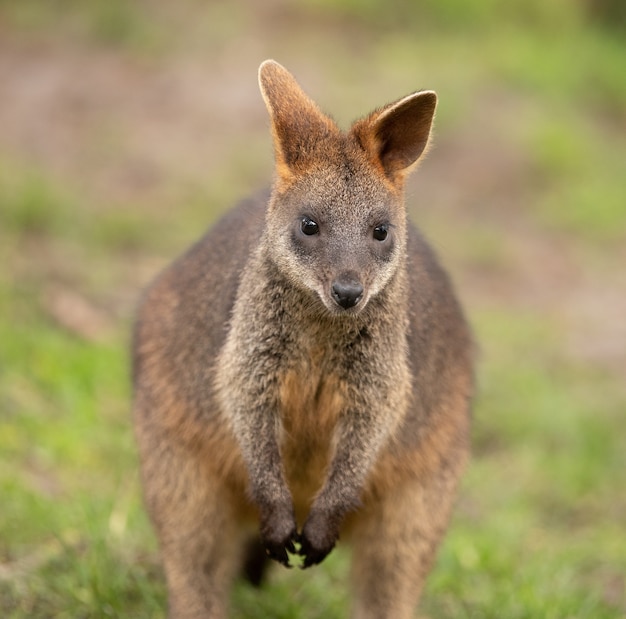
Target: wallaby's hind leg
(394, 547)
(255, 562)
(200, 544)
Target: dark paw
(319, 535)
(278, 535)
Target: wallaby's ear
(396, 136)
(298, 125)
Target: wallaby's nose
(347, 292)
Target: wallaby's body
(304, 372)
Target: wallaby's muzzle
(347, 291)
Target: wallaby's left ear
(396, 137)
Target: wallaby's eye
(380, 232)
(309, 227)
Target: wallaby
(303, 374)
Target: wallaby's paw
(279, 534)
(318, 538)
(279, 551)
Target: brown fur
(297, 387)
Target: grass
(538, 531)
(540, 535)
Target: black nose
(347, 293)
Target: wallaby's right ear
(298, 125)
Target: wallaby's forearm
(362, 432)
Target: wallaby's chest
(311, 400)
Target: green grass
(538, 531)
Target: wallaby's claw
(312, 555)
(280, 551)
(279, 535)
(279, 554)
(318, 538)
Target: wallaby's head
(336, 221)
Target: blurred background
(126, 128)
